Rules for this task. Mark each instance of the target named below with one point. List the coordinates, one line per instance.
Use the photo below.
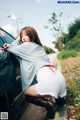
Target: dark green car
(11, 96)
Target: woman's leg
(46, 101)
(31, 91)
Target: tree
(55, 25)
(74, 43)
(72, 30)
(48, 50)
(59, 43)
(57, 29)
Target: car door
(5, 37)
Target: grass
(67, 53)
(71, 71)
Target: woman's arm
(14, 43)
(18, 50)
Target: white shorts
(50, 83)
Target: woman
(35, 63)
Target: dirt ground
(34, 112)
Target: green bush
(74, 43)
(78, 117)
(70, 96)
(73, 91)
(67, 53)
(48, 50)
(73, 96)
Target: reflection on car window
(5, 38)
(1, 42)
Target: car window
(5, 37)
(1, 42)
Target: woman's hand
(6, 45)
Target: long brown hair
(31, 32)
